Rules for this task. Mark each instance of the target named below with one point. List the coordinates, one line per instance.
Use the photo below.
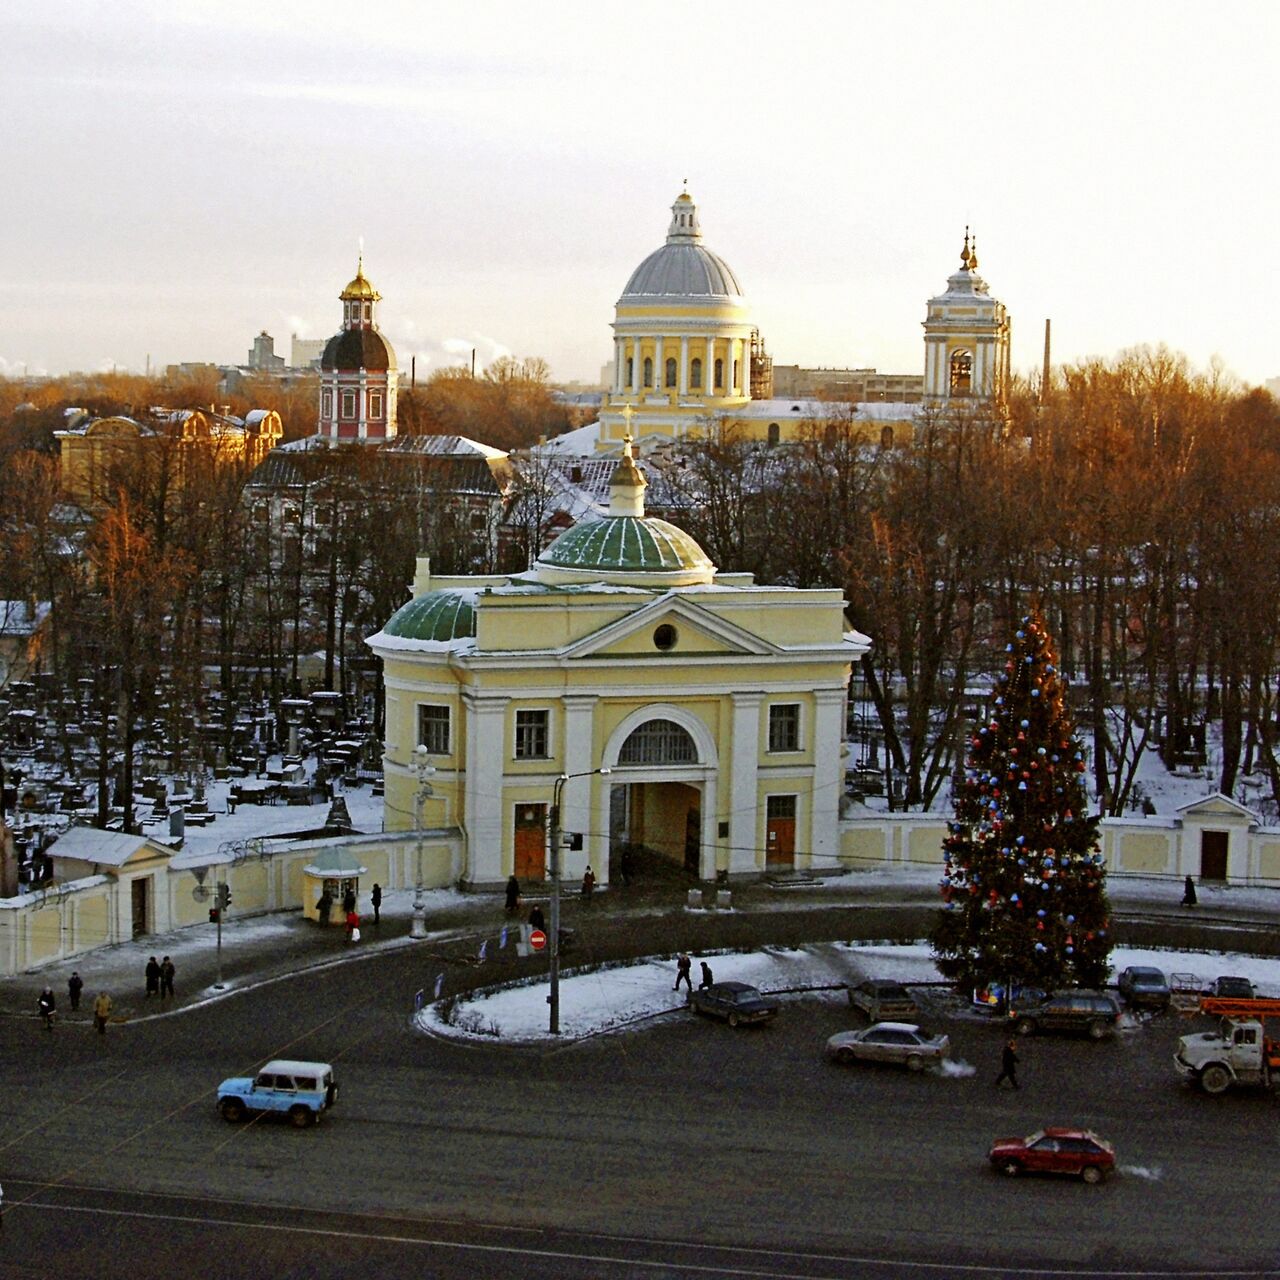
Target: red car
(1075, 1151)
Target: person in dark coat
(167, 973)
(588, 883)
(1008, 1064)
(683, 966)
(47, 1005)
(375, 900)
(706, 977)
(1189, 892)
(153, 977)
(349, 901)
(75, 985)
(324, 905)
(536, 920)
(513, 895)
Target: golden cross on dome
(627, 414)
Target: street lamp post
(423, 767)
(554, 942)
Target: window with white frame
(433, 728)
(375, 404)
(348, 404)
(784, 726)
(533, 737)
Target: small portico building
(715, 704)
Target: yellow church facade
(693, 714)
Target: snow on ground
(610, 999)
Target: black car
(1144, 988)
(1232, 987)
(735, 1002)
(1092, 1012)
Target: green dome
(626, 544)
(438, 615)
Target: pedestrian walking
(101, 1012)
(1008, 1064)
(536, 920)
(375, 899)
(625, 865)
(1188, 892)
(706, 976)
(353, 926)
(153, 977)
(47, 1007)
(513, 895)
(75, 985)
(324, 905)
(167, 972)
(683, 966)
(588, 883)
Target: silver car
(901, 1043)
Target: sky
(182, 174)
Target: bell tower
(966, 339)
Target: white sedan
(901, 1043)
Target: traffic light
(224, 895)
(214, 913)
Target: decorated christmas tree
(1023, 882)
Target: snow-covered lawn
(610, 999)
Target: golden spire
(964, 253)
(973, 253)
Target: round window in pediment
(665, 637)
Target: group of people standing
(684, 968)
(47, 1006)
(351, 917)
(159, 978)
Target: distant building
(24, 635)
(1273, 385)
(358, 380)
(854, 386)
(262, 355)
(305, 353)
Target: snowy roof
(107, 848)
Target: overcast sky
(182, 174)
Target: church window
(734, 375)
(348, 404)
(695, 374)
(719, 373)
(774, 433)
(659, 742)
(368, 311)
(671, 371)
(532, 735)
(886, 437)
(375, 404)
(784, 726)
(433, 729)
(961, 373)
(665, 636)
(326, 408)
(648, 371)
(631, 370)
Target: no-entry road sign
(537, 939)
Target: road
(682, 1149)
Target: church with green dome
(694, 713)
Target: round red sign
(537, 939)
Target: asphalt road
(684, 1149)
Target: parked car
(881, 998)
(1144, 987)
(300, 1090)
(1092, 1012)
(1079, 1152)
(1232, 987)
(901, 1043)
(735, 1002)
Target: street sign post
(537, 939)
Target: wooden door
(531, 842)
(1213, 855)
(138, 890)
(780, 833)
(693, 840)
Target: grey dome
(683, 268)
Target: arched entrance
(662, 801)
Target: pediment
(1217, 806)
(698, 633)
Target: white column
(684, 365)
(618, 357)
(659, 369)
(744, 796)
(828, 777)
(482, 819)
(709, 369)
(575, 801)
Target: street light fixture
(556, 841)
(424, 769)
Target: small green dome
(626, 544)
(438, 615)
